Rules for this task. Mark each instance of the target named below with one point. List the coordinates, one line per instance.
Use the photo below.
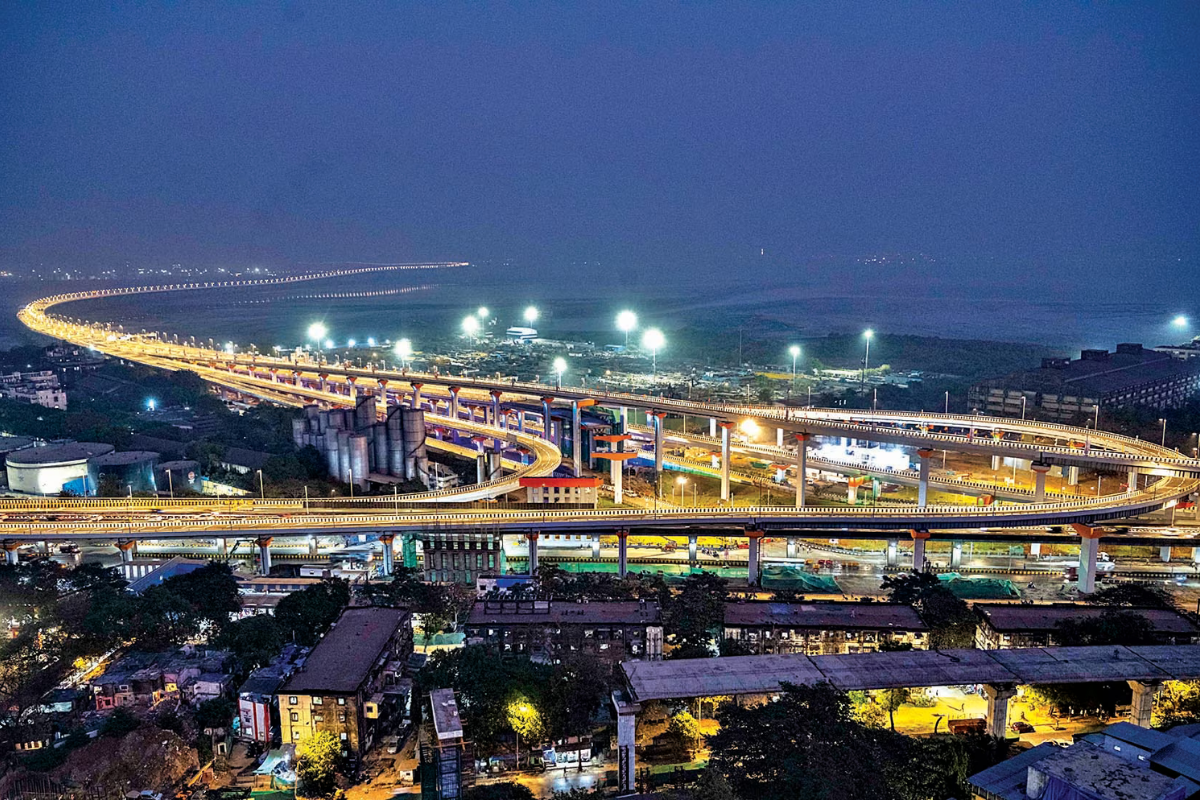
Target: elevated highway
(1167, 476)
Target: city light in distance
(470, 326)
(370, 341)
(329, 345)
(317, 331)
(1180, 322)
(626, 321)
(351, 343)
(653, 340)
(404, 348)
(531, 315)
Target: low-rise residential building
(351, 682)
(1011, 625)
(462, 557)
(39, 388)
(258, 702)
(823, 628)
(548, 631)
(581, 491)
(144, 679)
(1065, 389)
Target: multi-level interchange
(515, 429)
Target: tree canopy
(951, 621)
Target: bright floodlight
(470, 326)
(653, 340)
(794, 350)
(351, 343)
(560, 365)
(370, 341)
(868, 333)
(1180, 321)
(531, 315)
(626, 321)
(404, 348)
(329, 344)
(151, 404)
(317, 331)
(749, 427)
(482, 313)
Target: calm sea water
(423, 306)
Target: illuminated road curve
(1174, 476)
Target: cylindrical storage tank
(364, 413)
(330, 447)
(343, 446)
(133, 469)
(379, 442)
(322, 420)
(312, 418)
(300, 431)
(395, 441)
(51, 469)
(184, 475)
(414, 443)
(359, 455)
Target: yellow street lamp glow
(470, 326)
(749, 428)
(531, 315)
(317, 331)
(681, 481)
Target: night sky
(1052, 140)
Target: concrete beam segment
(919, 538)
(923, 489)
(725, 459)
(1142, 709)
(532, 538)
(801, 468)
(577, 440)
(1089, 547)
(1039, 481)
(754, 565)
(997, 708)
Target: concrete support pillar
(500, 422)
(595, 546)
(389, 555)
(532, 538)
(352, 388)
(577, 440)
(995, 463)
(1133, 480)
(725, 459)
(617, 473)
(852, 485)
(382, 395)
(997, 708)
(712, 428)
(454, 390)
(1196, 555)
(658, 418)
(547, 424)
(754, 565)
(1035, 550)
(416, 397)
(1089, 546)
(692, 546)
(520, 421)
(128, 548)
(264, 554)
(223, 548)
(1142, 708)
(919, 538)
(1164, 553)
(626, 745)
(622, 553)
(801, 468)
(322, 378)
(1072, 476)
(1039, 481)
(481, 468)
(10, 551)
(779, 437)
(893, 552)
(791, 547)
(312, 547)
(923, 490)
(955, 555)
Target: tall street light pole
(1164, 432)
(867, 334)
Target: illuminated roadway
(280, 380)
